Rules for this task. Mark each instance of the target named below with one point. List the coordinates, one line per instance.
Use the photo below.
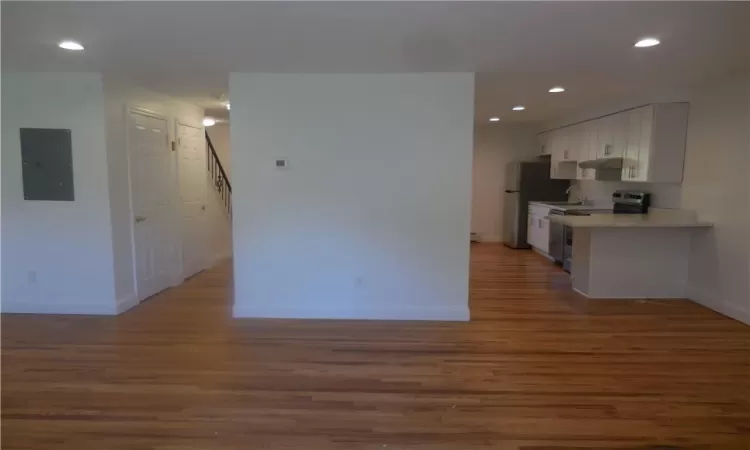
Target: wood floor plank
(538, 367)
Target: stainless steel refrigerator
(527, 181)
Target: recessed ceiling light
(494, 119)
(557, 89)
(647, 42)
(209, 121)
(227, 105)
(519, 108)
(70, 45)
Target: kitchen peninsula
(632, 255)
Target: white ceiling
(519, 49)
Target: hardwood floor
(536, 368)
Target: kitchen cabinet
(655, 148)
(612, 133)
(564, 154)
(619, 136)
(531, 231)
(589, 142)
(632, 147)
(570, 153)
(649, 139)
(603, 145)
(543, 234)
(544, 147)
(537, 233)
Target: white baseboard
(34, 307)
(580, 293)
(350, 313)
(604, 299)
(127, 302)
(728, 310)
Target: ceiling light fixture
(70, 45)
(556, 89)
(647, 42)
(519, 108)
(209, 121)
(494, 119)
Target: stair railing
(219, 176)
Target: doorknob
(139, 219)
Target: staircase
(218, 176)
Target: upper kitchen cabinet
(544, 147)
(564, 154)
(655, 147)
(589, 145)
(645, 144)
(612, 134)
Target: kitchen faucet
(579, 200)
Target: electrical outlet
(31, 277)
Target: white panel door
(191, 144)
(152, 187)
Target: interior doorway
(191, 166)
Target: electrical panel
(47, 156)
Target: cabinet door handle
(607, 149)
(565, 154)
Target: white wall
(67, 244)
(495, 145)
(715, 185)
(219, 134)
(372, 218)
(717, 169)
(76, 257)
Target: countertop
(569, 207)
(656, 218)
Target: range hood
(602, 163)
